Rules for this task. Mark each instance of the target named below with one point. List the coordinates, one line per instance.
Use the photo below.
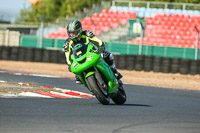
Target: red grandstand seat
(123, 21)
(89, 23)
(181, 16)
(87, 19)
(101, 15)
(168, 15)
(109, 20)
(100, 23)
(116, 12)
(131, 42)
(58, 34)
(91, 28)
(95, 15)
(105, 26)
(114, 20)
(95, 19)
(132, 15)
(114, 25)
(161, 18)
(189, 42)
(104, 11)
(85, 27)
(176, 16)
(83, 22)
(98, 28)
(149, 20)
(51, 35)
(103, 19)
(158, 16)
(166, 32)
(137, 41)
(164, 23)
(111, 12)
(123, 17)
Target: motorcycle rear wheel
(101, 97)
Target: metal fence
(163, 5)
(116, 48)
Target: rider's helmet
(74, 29)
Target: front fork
(98, 76)
(111, 86)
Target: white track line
(67, 90)
(62, 94)
(41, 75)
(9, 95)
(32, 94)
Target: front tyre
(101, 97)
(120, 97)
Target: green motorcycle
(96, 74)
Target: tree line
(50, 10)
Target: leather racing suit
(85, 37)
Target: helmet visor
(73, 33)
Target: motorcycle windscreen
(79, 50)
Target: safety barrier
(127, 62)
(32, 54)
(157, 64)
(116, 48)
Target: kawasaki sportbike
(96, 74)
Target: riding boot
(77, 79)
(116, 73)
(109, 59)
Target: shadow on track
(139, 105)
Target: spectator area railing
(116, 48)
(149, 9)
(151, 4)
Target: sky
(9, 9)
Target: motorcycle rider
(76, 34)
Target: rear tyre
(101, 97)
(120, 97)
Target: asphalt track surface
(147, 110)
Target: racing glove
(101, 49)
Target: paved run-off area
(166, 80)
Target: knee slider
(111, 57)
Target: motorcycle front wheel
(120, 96)
(99, 94)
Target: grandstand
(99, 22)
(143, 12)
(172, 30)
(165, 25)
